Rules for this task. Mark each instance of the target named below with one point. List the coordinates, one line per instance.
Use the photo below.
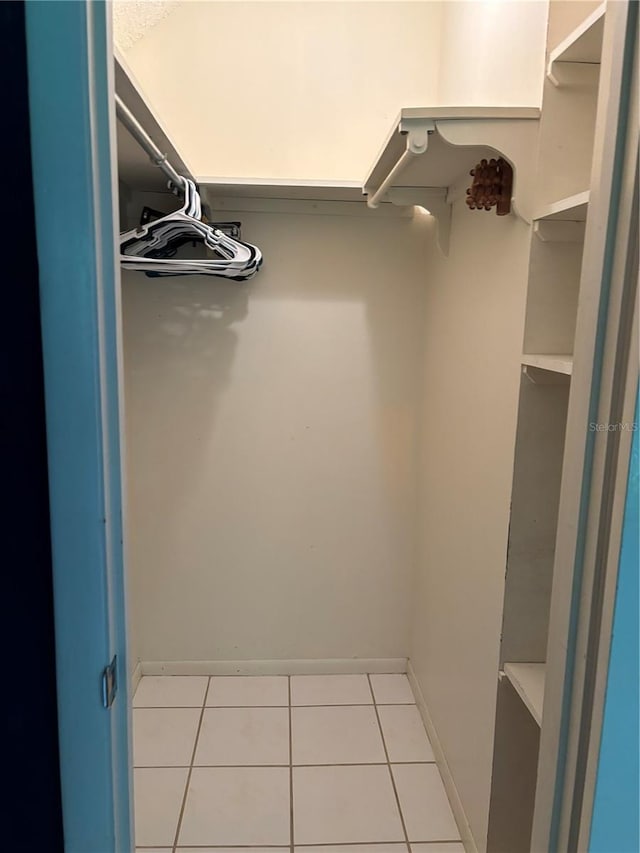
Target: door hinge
(110, 683)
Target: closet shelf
(528, 681)
(573, 209)
(429, 152)
(583, 46)
(282, 188)
(553, 363)
(563, 221)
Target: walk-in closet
(362, 249)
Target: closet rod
(405, 157)
(140, 134)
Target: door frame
(70, 67)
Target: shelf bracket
(514, 140)
(561, 73)
(432, 199)
(417, 132)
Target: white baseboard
(331, 666)
(135, 678)
(441, 761)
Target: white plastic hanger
(151, 248)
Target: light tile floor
(319, 763)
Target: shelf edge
(534, 704)
(555, 363)
(563, 205)
(574, 36)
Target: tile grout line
(320, 705)
(301, 846)
(386, 752)
(357, 704)
(193, 758)
(277, 766)
(291, 841)
(291, 846)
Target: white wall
(300, 90)
(272, 446)
(309, 90)
(475, 303)
(492, 53)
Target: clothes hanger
(152, 247)
(232, 257)
(185, 220)
(229, 227)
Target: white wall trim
(331, 666)
(443, 767)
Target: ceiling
(133, 19)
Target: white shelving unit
(554, 363)
(563, 175)
(583, 46)
(528, 681)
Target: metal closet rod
(140, 134)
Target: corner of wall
(509, 74)
(441, 760)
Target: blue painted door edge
(70, 83)
(615, 820)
